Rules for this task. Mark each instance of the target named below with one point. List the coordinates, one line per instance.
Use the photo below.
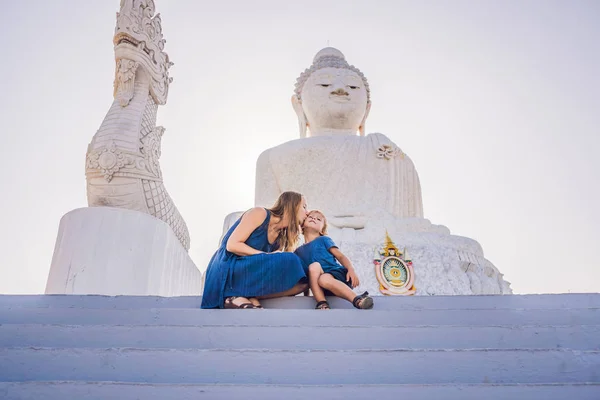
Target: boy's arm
(345, 261)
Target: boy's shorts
(340, 275)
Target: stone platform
(452, 347)
(110, 251)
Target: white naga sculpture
(366, 185)
(122, 168)
(131, 240)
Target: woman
(242, 270)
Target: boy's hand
(352, 278)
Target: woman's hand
(250, 221)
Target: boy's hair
(324, 231)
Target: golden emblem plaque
(394, 270)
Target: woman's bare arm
(250, 221)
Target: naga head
(138, 43)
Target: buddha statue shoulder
(342, 172)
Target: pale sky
(496, 102)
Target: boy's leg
(314, 272)
(340, 289)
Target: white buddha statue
(345, 174)
(366, 186)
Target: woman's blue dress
(250, 276)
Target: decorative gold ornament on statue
(394, 269)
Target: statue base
(443, 264)
(113, 251)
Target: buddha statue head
(331, 97)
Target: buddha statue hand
(348, 221)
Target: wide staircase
(439, 347)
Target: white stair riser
(304, 367)
(103, 391)
(559, 302)
(196, 317)
(302, 338)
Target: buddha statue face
(334, 98)
(331, 97)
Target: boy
(323, 258)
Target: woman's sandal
(229, 304)
(323, 305)
(363, 301)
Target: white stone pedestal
(443, 264)
(112, 251)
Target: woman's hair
(324, 231)
(286, 207)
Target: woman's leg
(340, 289)
(296, 289)
(236, 300)
(314, 272)
(255, 302)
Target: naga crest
(139, 42)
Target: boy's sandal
(229, 304)
(322, 305)
(363, 301)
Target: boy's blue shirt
(318, 251)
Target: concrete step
(553, 301)
(198, 317)
(585, 337)
(312, 367)
(136, 391)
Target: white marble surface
(111, 251)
